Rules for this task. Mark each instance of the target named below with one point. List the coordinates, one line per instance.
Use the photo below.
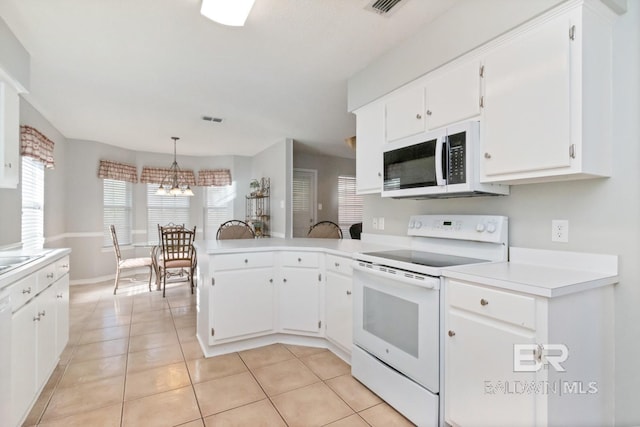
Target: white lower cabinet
(505, 361)
(242, 296)
(39, 334)
(299, 293)
(338, 302)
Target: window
(32, 203)
(117, 197)
(218, 208)
(164, 210)
(349, 203)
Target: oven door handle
(419, 280)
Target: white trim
(11, 246)
(99, 279)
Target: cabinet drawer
(62, 267)
(299, 259)
(505, 306)
(239, 261)
(22, 291)
(46, 276)
(339, 264)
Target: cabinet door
(479, 377)
(453, 94)
(369, 142)
(9, 135)
(23, 359)
(62, 313)
(47, 355)
(526, 114)
(241, 304)
(339, 311)
(299, 294)
(405, 113)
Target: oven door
(415, 167)
(396, 319)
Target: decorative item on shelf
(255, 187)
(174, 184)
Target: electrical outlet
(381, 223)
(560, 230)
(375, 223)
(319, 206)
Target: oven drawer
(505, 306)
(240, 261)
(339, 264)
(299, 259)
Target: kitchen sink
(10, 262)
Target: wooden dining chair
(235, 229)
(129, 263)
(178, 253)
(325, 230)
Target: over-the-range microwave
(439, 164)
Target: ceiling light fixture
(175, 180)
(227, 12)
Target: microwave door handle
(439, 145)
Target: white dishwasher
(5, 356)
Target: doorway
(304, 200)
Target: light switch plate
(560, 230)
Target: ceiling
(133, 73)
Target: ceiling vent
(212, 119)
(384, 7)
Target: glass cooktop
(428, 259)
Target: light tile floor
(133, 360)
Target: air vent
(212, 119)
(384, 7)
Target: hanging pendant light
(227, 12)
(174, 183)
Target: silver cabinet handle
(59, 296)
(487, 155)
(284, 280)
(270, 280)
(26, 291)
(348, 292)
(36, 319)
(418, 116)
(41, 313)
(7, 165)
(246, 261)
(299, 259)
(451, 333)
(484, 302)
(65, 265)
(429, 112)
(50, 276)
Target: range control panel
(480, 228)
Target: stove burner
(427, 259)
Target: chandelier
(174, 183)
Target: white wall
(604, 214)
(275, 162)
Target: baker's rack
(258, 207)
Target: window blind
(349, 203)
(117, 203)
(301, 193)
(32, 203)
(164, 210)
(218, 208)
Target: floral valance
(36, 145)
(214, 177)
(156, 175)
(117, 171)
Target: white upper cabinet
(9, 134)
(546, 113)
(369, 142)
(453, 94)
(405, 112)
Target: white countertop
(343, 247)
(47, 257)
(542, 273)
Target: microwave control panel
(456, 147)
